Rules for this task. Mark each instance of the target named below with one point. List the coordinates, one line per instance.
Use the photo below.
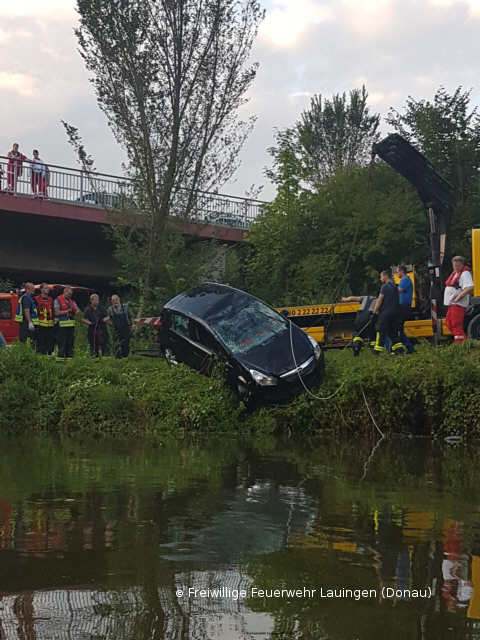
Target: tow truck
(332, 324)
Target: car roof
(207, 300)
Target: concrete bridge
(61, 237)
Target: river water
(106, 540)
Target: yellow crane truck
(332, 324)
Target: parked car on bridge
(266, 358)
(102, 199)
(228, 220)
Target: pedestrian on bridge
(15, 167)
(39, 176)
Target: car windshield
(244, 329)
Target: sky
(396, 48)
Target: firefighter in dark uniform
(26, 314)
(364, 324)
(387, 310)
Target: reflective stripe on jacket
(19, 315)
(66, 305)
(45, 311)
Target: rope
(300, 377)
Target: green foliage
(178, 285)
(447, 132)
(335, 134)
(132, 396)
(320, 246)
(5, 285)
(170, 76)
(436, 391)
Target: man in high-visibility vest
(65, 309)
(26, 314)
(46, 321)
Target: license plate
(310, 311)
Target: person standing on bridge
(65, 310)
(46, 321)
(123, 323)
(15, 167)
(26, 314)
(39, 176)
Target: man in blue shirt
(405, 289)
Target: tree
(336, 241)
(447, 132)
(170, 75)
(334, 134)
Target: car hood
(275, 357)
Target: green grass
(433, 391)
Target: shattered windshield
(243, 329)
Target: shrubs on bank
(433, 391)
(133, 396)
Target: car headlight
(262, 379)
(317, 349)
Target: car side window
(203, 337)
(5, 310)
(181, 325)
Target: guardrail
(75, 186)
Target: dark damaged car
(267, 359)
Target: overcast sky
(396, 48)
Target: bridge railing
(76, 186)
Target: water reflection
(102, 541)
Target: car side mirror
(284, 313)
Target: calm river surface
(103, 541)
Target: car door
(204, 351)
(177, 345)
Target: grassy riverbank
(433, 391)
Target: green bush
(434, 391)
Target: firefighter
(65, 309)
(46, 321)
(364, 322)
(458, 288)
(386, 308)
(26, 314)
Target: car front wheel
(171, 358)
